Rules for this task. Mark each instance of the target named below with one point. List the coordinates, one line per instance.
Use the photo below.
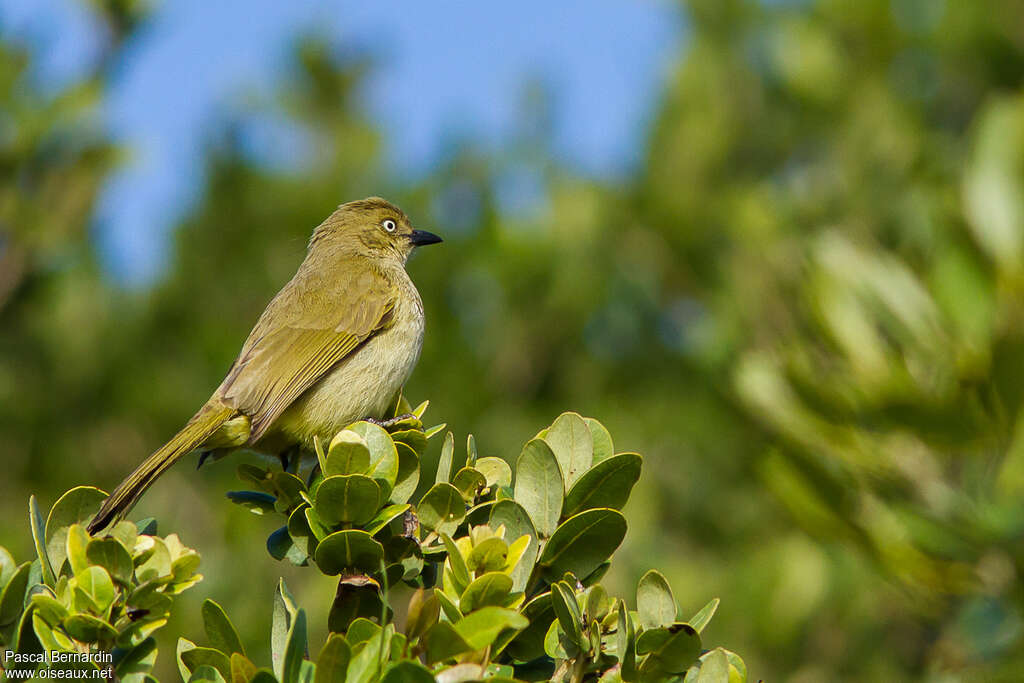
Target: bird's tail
(205, 423)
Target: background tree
(804, 308)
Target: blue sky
(441, 66)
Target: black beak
(420, 238)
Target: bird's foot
(410, 524)
(391, 422)
(290, 459)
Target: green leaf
(442, 509)
(204, 673)
(300, 530)
(451, 610)
(95, 583)
(596, 575)
(252, 474)
(385, 517)
(383, 456)
(51, 639)
(583, 542)
(514, 557)
(557, 645)
(242, 668)
(263, 676)
(517, 523)
(444, 642)
(457, 563)
(444, 464)
(348, 454)
(89, 629)
(196, 658)
(407, 672)
(366, 661)
(50, 609)
(356, 598)
(112, 556)
(39, 539)
(626, 643)
(699, 620)
(77, 539)
(671, 649)
(294, 649)
(7, 567)
(413, 438)
(219, 630)
(607, 484)
(714, 667)
(351, 549)
(138, 631)
(158, 564)
(316, 525)
(567, 611)
(569, 438)
(469, 482)
(490, 590)
(289, 490)
(321, 456)
(487, 555)
(184, 645)
(654, 601)
(353, 498)
(283, 614)
(332, 664)
(138, 659)
(77, 506)
(482, 627)
(603, 447)
(419, 410)
(464, 673)
(281, 546)
(598, 604)
(736, 665)
(993, 198)
(256, 502)
(12, 598)
(361, 630)
(538, 486)
(125, 532)
(408, 473)
(25, 640)
(496, 471)
(424, 611)
(146, 526)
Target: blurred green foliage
(805, 307)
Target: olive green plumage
(334, 346)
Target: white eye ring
(388, 225)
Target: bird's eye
(388, 225)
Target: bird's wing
(310, 326)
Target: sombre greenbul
(334, 346)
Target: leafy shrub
(83, 594)
(506, 568)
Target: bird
(334, 346)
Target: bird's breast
(363, 384)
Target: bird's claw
(389, 422)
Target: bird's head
(373, 227)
